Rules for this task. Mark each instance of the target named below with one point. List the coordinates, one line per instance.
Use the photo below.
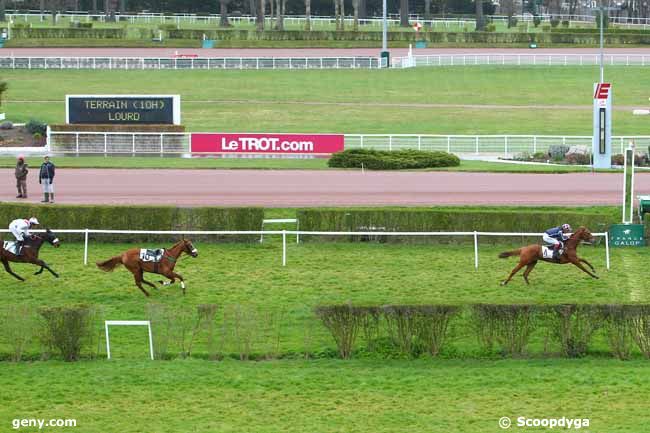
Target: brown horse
(29, 254)
(131, 261)
(531, 254)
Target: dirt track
(293, 188)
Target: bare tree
(355, 6)
(308, 15)
(337, 17)
(508, 9)
(480, 21)
(404, 13)
(279, 14)
(342, 11)
(259, 20)
(223, 11)
(427, 11)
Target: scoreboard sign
(123, 109)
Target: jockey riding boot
(19, 248)
(46, 199)
(556, 251)
(51, 197)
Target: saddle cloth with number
(547, 252)
(151, 255)
(10, 246)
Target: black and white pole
(385, 56)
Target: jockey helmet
(33, 221)
(566, 228)
(21, 158)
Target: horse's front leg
(5, 263)
(577, 263)
(586, 263)
(42, 264)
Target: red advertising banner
(267, 143)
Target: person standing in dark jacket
(21, 177)
(46, 179)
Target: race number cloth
(151, 255)
(547, 252)
(9, 246)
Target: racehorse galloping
(132, 261)
(531, 254)
(29, 253)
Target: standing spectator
(46, 179)
(21, 177)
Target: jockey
(556, 236)
(20, 229)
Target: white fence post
(607, 249)
(475, 250)
(86, 247)
(284, 248)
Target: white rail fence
(284, 233)
(169, 143)
(506, 59)
(185, 62)
(299, 20)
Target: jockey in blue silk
(556, 237)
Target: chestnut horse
(531, 254)
(131, 261)
(29, 254)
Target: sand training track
(292, 188)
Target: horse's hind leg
(145, 281)
(5, 263)
(528, 270)
(512, 274)
(137, 275)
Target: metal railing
(197, 19)
(506, 59)
(143, 143)
(284, 233)
(184, 62)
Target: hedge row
(139, 218)
(398, 160)
(449, 219)
(116, 128)
(416, 329)
(408, 331)
(68, 33)
(566, 37)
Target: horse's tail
(110, 264)
(507, 254)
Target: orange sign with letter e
(602, 93)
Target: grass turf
(363, 101)
(460, 396)
(324, 395)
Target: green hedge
(397, 160)
(68, 33)
(560, 36)
(452, 219)
(138, 218)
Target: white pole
(607, 249)
(284, 248)
(632, 184)
(108, 344)
(624, 183)
(475, 250)
(86, 247)
(150, 341)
